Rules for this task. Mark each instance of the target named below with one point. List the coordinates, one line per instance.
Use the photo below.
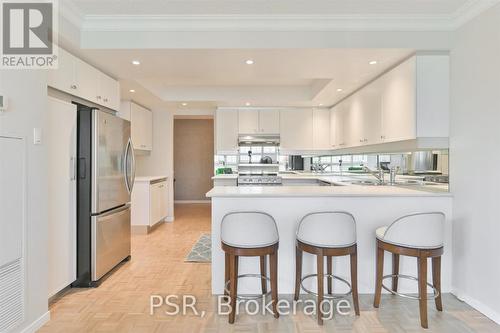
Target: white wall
(474, 162)
(27, 95)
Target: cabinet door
(371, 114)
(110, 90)
(88, 78)
(297, 129)
(333, 128)
(399, 103)
(352, 122)
(155, 203)
(321, 129)
(64, 78)
(142, 127)
(226, 127)
(248, 121)
(163, 200)
(61, 152)
(269, 121)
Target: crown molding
(236, 23)
(276, 23)
(470, 10)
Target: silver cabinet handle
(99, 97)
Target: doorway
(193, 159)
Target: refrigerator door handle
(125, 161)
(132, 166)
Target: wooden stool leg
(227, 268)
(298, 272)
(354, 281)
(436, 281)
(329, 271)
(422, 290)
(320, 263)
(395, 271)
(274, 282)
(379, 274)
(263, 272)
(233, 286)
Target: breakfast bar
(371, 206)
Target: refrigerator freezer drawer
(110, 240)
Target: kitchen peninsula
(372, 207)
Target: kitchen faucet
(379, 174)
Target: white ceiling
(269, 7)
(279, 77)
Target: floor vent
(11, 295)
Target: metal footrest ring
(327, 296)
(407, 277)
(250, 297)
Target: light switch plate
(37, 136)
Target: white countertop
(321, 191)
(224, 176)
(148, 179)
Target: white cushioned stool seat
(327, 229)
(420, 230)
(249, 230)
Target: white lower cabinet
(149, 202)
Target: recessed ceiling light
(340, 90)
(132, 90)
(373, 62)
(247, 103)
(249, 62)
(184, 104)
(320, 104)
(136, 62)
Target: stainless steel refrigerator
(106, 173)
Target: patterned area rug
(202, 250)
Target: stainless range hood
(258, 140)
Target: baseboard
(37, 324)
(181, 202)
(479, 306)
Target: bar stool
(417, 235)
(327, 234)
(249, 234)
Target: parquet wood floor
(121, 303)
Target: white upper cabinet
(80, 79)
(88, 81)
(64, 78)
(296, 129)
(252, 121)
(226, 129)
(142, 127)
(399, 103)
(141, 120)
(110, 92)
(372, 113)
(248, 121)
(269, 121)
(321, 129)
(410, 101)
